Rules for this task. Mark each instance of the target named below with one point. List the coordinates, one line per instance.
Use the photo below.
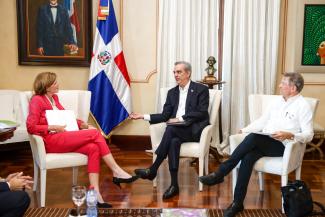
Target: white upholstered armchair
(79, 102)
(293, 153)
(10, 109)
(192, 149)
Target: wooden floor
(142, 194)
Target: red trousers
(88, 142)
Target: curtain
(187, 30)
(250, 48)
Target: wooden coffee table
(6, 134)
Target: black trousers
(252, 148)
(170, 144)
(13, 203)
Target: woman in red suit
(87, 140)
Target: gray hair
(187, 65)
(296, 79)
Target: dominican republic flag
(70, 5)
(109, 81)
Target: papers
(6, 124)
(62, 117)
(180, 123)
(183, 213)
(262, 133)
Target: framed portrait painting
(313, 48)
(54, 32)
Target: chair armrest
(292, 156)
(206, 139)
(156, 134)
(235, 140)
(38, 150)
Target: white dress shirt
(54, 12)
(181, 104)
(294, 115)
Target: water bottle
(91, 202)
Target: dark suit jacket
(196, 108)
(52, 36)
(12, 203)
(4, 187)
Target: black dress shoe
(145, 174)
(118, 181)
(171, 192)
(233, 209)
(212, 178)
(104, 205)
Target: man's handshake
(136, 116)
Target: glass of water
(78, 196)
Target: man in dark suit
(54, 30)
(13, 200)
(186, 113)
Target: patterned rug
(64, 212)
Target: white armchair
(79, 102)
(191, 149)
(10, 109)
(293, 153)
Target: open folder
(62, 117)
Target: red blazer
(36, 121)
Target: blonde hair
(43, 81)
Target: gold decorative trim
(284, 37)
(146, 80)
(108, 136)
(314, 83)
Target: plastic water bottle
(92, 202)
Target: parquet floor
(142, 194)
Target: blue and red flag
(109, 81)
(70, 5)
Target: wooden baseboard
(14, 146)
(131, 143)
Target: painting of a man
(54, 30)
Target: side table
(318, 140)
(6, 133)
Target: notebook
(62, 117)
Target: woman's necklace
(51, 101)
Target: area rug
(147, 212)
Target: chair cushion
(190, 149)
(60, 160)
(270, 165)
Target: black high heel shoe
(117, 181)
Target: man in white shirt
(289, 118)
(186, 113)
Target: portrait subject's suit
(52, 36)
(12, 203)
(196, 117)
